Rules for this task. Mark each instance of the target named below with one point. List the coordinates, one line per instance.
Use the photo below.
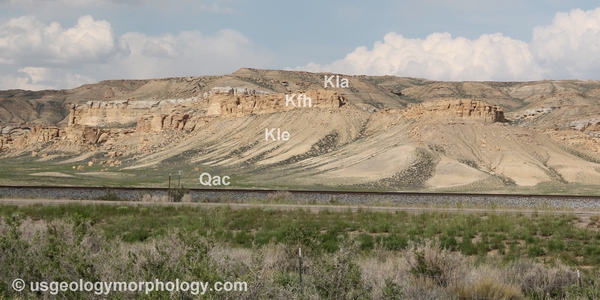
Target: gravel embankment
(216, 196)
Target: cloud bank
(27, 41)
(34, 55)
(568, 48)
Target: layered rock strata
(98, 121)
(177, 113)
(456, 108)
(20, 136)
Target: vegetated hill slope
(380, 133)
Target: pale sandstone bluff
(110, 113)
(185, 114)
(19, 137)
(100, 121)
(456, 108)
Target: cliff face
(458, 108)
(99, 121)
(87, 122)
(224, 102)
(121, 113)
(19, 137)
(229, 106)
(155, 123)
(231, 102)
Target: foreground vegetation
(346, 255)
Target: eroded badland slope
(286, 129)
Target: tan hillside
(266, 128)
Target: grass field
(545, 237)
(426, 244)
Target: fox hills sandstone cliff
(379, 132)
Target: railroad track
(312, 200)
(323, 192)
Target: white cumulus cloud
(186, 54)
(439, 56)
(39, 78)
(34, 55)
(25, 40)
(569, 48)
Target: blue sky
(66, 43)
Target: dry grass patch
(489, 288)
(155, 198)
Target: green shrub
(136, 235)
(482, 248)
(449, 243)
(467, 247)
(242, 238)
(178, 193)
(556, 245)
(394, 242)
(366, 241)
(428, 260)
(592, 250)
(338, 276)
(392, 291)
(589, 290)
(535, 251)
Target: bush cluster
(73, 248)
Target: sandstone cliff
(96, 121)
(19, 137)
(225, 102)
(92, 121)
(458, 108)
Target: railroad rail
(332, 192)
(313, 197)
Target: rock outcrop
(271, 103)
(161, 122)
(22, 135)
(589, 126)
(228, 90)
(457, 108)
(176, 114)
(533, 113)
(99, 121)
(120, 113)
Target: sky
(60, 44)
